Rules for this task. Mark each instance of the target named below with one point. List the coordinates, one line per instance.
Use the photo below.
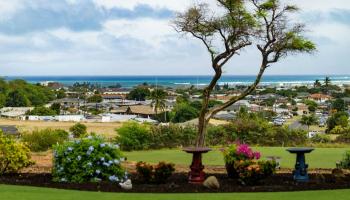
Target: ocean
(174, 81)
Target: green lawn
(33, 193)
(319, 158)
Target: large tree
(231, 29)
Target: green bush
(13, 155)
(321, 138)
(345, 162)
(42, 140)
(344, 138)
(134, 136)
(87, 160)
(217, 135)
(78, 130)
(172, 136)
(155, 174)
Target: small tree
(236, 28)
(308, 120)
(78, 130)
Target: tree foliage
(139, 93)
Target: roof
(14, 111)
(136, 109)
(111, 96)
(67, 100)
(142, 109)
(319, 96)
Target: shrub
(154, 174)
(321, 138)
(42, 140)
(251, 172)
(239, 152)
(144, 171)
(171, 136)
(87, 160)
(163, 171)
(344, 138)
(78, 130)
(339, 130)
(217, 135)
(345, 162)
(133, 136)
(13, 155)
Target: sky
(135, 37)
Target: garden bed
(178, 184)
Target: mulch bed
(178, 184)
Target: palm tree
(327, 81)
(317, 83)
(158, 97)
(308, 120)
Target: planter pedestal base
(196, 175)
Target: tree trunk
(202, 122)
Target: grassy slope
(320, 158)
(33, 193)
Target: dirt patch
(106, 129)
(178, 184)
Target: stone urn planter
(196, 175)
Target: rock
(211, 183)
(338, 173)
(127, 185)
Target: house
(139, 110)
(69, 102)
(237, 106)
(320, 98)
(70, 118)
(108, 98)
(117, 118)
(14, 112)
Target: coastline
(183, 81)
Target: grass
(319, 158)
(33, 193)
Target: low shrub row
(43, 140)
(154, 174)
(134, 136)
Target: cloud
(99, 37)
(75, 15)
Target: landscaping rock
(211, 183)
(127, 185)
